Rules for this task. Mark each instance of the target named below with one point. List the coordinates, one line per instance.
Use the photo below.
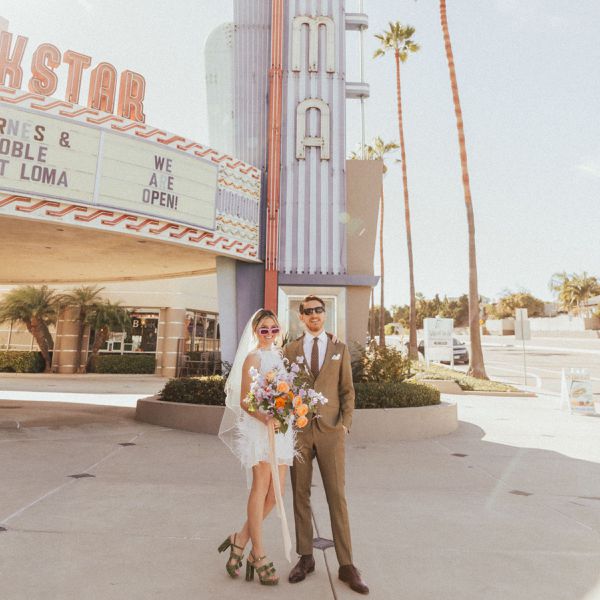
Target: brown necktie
(314, 357)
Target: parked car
(461, 354)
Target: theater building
(194, 237)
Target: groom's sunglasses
(267, 330)
(319, 310)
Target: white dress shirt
(321, 344)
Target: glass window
(144, 329)
(199, 352)
(141, 338)
(201, 332)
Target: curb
(199, 418)
(370, 424)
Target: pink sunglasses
(267, 330)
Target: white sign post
(522, 332)
(439, 339)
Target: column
(171, 329)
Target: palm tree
(560, 285)
(85, 299)
(103, 318)
(476, 366)
(584, 287)
(37, 308)
(378, 151)
(399, 39)
(574, 290)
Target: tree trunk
(36, 328)
(412, 321)
(382, 313)
(79, 368)
(99, 341)
(47, 336)
(476, 366)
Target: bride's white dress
(252, 439)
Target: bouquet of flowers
(284, 395)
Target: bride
(247, 435)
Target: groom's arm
(346, 390)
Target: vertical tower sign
(313, 190)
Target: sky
(530, 94)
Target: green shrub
(195, 390)
(21, 362)
(390, 329)
(393, 394)
(376, 363)
(138, 364)
(387, 394)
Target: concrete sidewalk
(506, 508)
(91, 388)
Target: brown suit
(324, 437)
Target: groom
(323, 437)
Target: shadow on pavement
(461, 517)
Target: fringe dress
(252, 439)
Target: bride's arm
(252, 360)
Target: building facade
(175, 229)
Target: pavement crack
(316, 526)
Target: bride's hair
(263, 314)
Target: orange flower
(301, 422)
(280, 402)
(297, 401)
(301, 409)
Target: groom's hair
(311, 299)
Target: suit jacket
(334, 381)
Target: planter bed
(446, 386)
(370, 425)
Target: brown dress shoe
(349, 574)
(303, 567)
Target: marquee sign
(48, 157)
(237, 223)
(47, 58)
